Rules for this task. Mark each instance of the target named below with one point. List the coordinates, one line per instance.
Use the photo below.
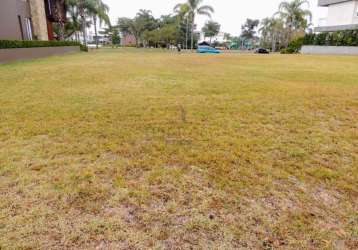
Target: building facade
(219, 38)
(30, 19)
(128, 40)
(341, 15)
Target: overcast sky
(231, 14)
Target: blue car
(208, 49)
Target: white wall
(342, 13)
(218, 38)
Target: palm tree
(89, 8)
(73, 25)
(82, 7)
(272, 30)
(295, 15)
(183, 10)
(100, 11)
(195, 8)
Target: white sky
(231, 14)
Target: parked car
(262, 51)
(207, 49)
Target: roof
(204, 44)
(325, 3)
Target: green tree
(183, 12)
(85, 9)
(73, 24)
(141, 23)
(211, 29)
(196, 8)
(272, 32)
(115, 38)
(100, 12)
(295, 16)
(248, 30)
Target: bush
(294, 46)
(287, 51)
(11, 44)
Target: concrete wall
(8, 55)
(9, 21)
(329, 50)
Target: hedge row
(338, 38)
(11, 44)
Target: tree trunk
(84, 30)
(192, 33)
(95, 30)
(137, 41)
(273, 47)
(186, 32)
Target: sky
(231, 14)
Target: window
(28, 24)
(20, 25)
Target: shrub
(11, 44)
(287, 51)
(294, 46)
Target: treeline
(172, 29)
(276, 32)
(179, 27)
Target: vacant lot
(132, 149)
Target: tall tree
(211, 29)
(84, 7)
(196, 8)
(272, 32)
(248, 30)
(295, 16)
(183, 12)
(73, 24)
(143, 21)
(100, 12)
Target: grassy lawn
(133, 149)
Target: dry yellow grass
(133, 149)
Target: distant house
(30, 19)
(219, 38)
(128, 40)
(341, 15)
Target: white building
(341, 15)
(219, 38)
